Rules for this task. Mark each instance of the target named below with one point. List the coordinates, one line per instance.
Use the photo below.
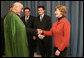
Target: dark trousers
(31, 45)
(62, 54)
(45, 47)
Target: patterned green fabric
(16, 44)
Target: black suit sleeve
(30, 26)
(31, 31)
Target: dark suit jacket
(30, 25)
(45, 24)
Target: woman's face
(58, 13)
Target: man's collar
(26, 16)
(42, 15)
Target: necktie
(40, 18)
(26, 19)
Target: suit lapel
(43, 18)
(39, 18)
(23, 19)
(29, 17)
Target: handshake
(39, 33)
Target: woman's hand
(57, 52)
(41, 36)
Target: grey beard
(18, 14)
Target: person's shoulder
(12, 14)
(32, 16)
(66, 20)
(37, 17)
(54, 24)
(9, 14)
(47, 16)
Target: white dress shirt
(41, 17)
(26, 18)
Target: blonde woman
(61, 32)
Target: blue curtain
(74, 15)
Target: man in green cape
(16, 44)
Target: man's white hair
(17, 4)
(16, 7)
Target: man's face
(40, 11)
(20, 9)
(27, 12)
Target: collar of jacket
(61, 19)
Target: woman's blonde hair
(62, 9)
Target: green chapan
(16, 44)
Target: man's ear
(15, 8)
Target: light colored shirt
(41, 17)
(26, 18)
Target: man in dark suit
(28, 20)
(43, 22)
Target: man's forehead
(26, 9)
(40, 8)
(18, 4)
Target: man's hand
(34, 37)
(39, 31)
(41, 36)
(57, 52)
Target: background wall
(74, 15)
